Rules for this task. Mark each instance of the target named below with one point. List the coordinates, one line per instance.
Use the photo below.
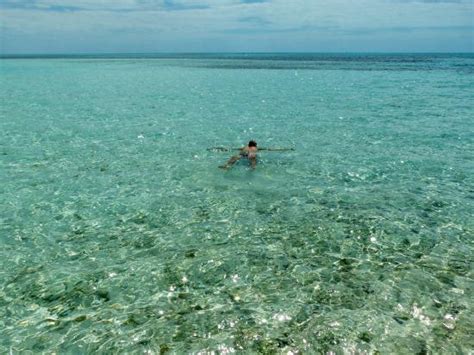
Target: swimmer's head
(252, 144)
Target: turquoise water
(120, 234)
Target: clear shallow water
(119, 232)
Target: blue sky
(108, 26)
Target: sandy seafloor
(119, 233)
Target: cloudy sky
(111, 26)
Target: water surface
(120, 234)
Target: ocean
(120, 234)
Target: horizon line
(182, 53)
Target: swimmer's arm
(276, 149)
(224, 149)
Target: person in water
(249, 152)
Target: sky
(149, 26)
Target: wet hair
(252, 144)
